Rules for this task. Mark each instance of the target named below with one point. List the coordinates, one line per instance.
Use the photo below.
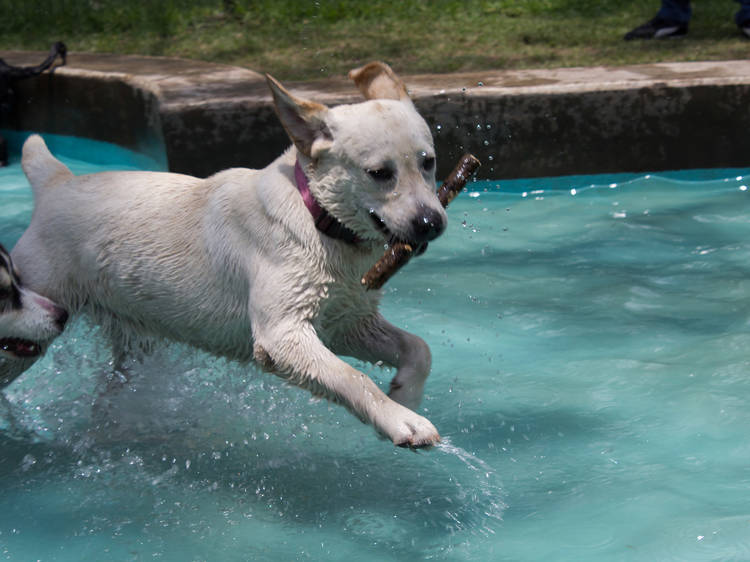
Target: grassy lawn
(311, 39)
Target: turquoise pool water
(591, 352)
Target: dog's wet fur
(233, 264)
(28, 322)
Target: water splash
(471, 461)
(486, 489)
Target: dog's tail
(41, 168)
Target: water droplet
(27, 462)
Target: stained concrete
(521, 123)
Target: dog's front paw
(421, 436)
(411, 430)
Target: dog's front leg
(377, 340)
(295, 353)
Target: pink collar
(324, 221)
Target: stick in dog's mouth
(400, 252)
(379, 223)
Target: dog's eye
(381, 174)
(429, 164)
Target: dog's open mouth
(381, 226)
(419, 247)
(19, 348)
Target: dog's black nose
(428, 225)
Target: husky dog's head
(371, 165)
(28, 322)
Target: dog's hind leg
(295, 353)
(112, 380)
(377, 340)
(120, 371)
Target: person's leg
(670, 21)
(676, 11)
(742, 17)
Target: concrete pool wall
(205, 117)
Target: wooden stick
(397, 255)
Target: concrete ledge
(205, 117)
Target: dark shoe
(657, 28)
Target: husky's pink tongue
(19, 348)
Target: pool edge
(205, 117)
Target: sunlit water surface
(591, 362)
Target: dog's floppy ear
(376, 80)
(304, 121)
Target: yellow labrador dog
(257, 264)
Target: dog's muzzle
(425, 227)
(428, 226)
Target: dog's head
(371, 165)
(28, 322)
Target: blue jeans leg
(678, 11)
(743, 16)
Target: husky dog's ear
(376, 80)
(304, 121)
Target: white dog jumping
(257, 264)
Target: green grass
(309, 39)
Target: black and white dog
(28, 322)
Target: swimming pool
(590, 361)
